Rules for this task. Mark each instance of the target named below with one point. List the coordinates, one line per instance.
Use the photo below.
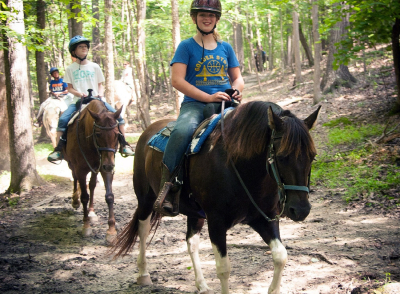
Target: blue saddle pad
(159, 140)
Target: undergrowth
(366, 169)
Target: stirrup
(158, 205)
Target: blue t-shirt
(211, 75)
(58, 86)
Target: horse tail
(126, 240)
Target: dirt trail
(337, 249)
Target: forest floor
(340, 248)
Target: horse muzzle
(297, 212)
(108, 168)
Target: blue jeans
(190, 116)
(66, 116)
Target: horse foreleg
(279, 256)
(223, 266)
(193, 241)
(87, 230)
(76, 194)
(143, 278)
(92, 185)
(111, 232)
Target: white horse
(124, 96)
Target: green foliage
(353, 133)
(131, 139)
(360, 171)
(42, 149)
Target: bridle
(271, 162)
(98, 148)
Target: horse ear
(274, 121)
(312, 119)
(94, 115)
(118, 113)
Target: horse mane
(247, 134)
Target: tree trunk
(95, 43)
(238, 38)
(41, 76)
(144, 101)
(396, 56)
(22, 157)
(343, 76)
(249, 37)
(317, 53)
(132, 60)
(282, 49)
(296, 46)
(4, 142)
(307, 49)
(270, 44)
(76, 28)
(259, 61)
(108, 44)
(176, 39)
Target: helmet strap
(203, 33)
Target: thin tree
(317, 53)
(95, 43)
(75, 27)
(22, 157)
(176, 39)
(296, 46)
(343, 77)
(307, 49)
(108, 44)
(144, 99)
(4, 142)
(41, 76)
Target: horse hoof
(76, 204)
(93, 217)
(87, 232)
(144, 281)
(110, 238)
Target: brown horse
(92, 141)
(253, 170)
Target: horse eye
(98, 134)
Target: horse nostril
(292, 211)
(108, 168)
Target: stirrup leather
(167, 187)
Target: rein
(98, 149)
(271, 161)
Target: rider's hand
(219, 97)
(237, 95)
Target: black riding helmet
(74, 42)
(213, 6)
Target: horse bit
(271, 161)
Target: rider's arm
(237, 82)
(75, 92)
(101, 90)
(179, 83)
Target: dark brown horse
(92, 141)
(257, 167)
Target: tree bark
(95, 43)
(249, 37)
(307, 49)
(144, 101)
(396, 56)
(343, 76)
(108, 44)
(176, 39)
(4, 142)
(270, 44)
(41, 76)
(22, 157)
(238, 38)
(317, 53)
(76, 28)
(259, 61)
(296, 46)
(282, 49)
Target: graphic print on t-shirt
(82, 75)
(210, 68)
(57, 87)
